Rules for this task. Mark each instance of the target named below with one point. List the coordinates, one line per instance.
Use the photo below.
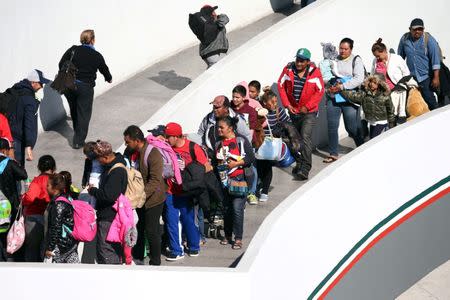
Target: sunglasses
(300, 60)
(217, 107)
(418, 29)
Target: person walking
(423, 57)
(151, 167)
(113, 182)
(351, 68)
(301, 89)
(212, 51)
(24, 121)
(87, 60)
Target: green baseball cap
(303, 53)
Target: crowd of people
(165, 176)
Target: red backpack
(84, 220)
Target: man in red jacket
(301, 89)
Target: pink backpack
(84, 220)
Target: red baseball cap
(173, 129)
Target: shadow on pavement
(171, 80)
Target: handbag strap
(270, 129)
(19, 212)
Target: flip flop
(330, 159)
(237, 245)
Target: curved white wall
(311, 231)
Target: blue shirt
(421, 63)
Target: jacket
(376, 106)
(87, 61)
(60, 218)
(36, 199)
(396, 67)
(209, 134)
(5, 130)
(112, 184)
(312, 92)
(25, 126)
(152, 170)
(220, 43)
(123, 221)
(12, 173)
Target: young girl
(35, 202)
(277, 120)
(73, 191)
(376, 104)
(61, 246)
(233, 155)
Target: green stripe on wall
(375, 229)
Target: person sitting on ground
(233, 154)
(35, 202)
(113, 182)
(61, 246)
(375, 102)
(208, 131)
(10, 173)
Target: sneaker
(252, 200)
(193, 253)
(263, 198)
(301, 176)
(174, 257)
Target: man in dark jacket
(151, 168)
(23, 123)
(214, 51)
(113, 182)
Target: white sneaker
(263, 198)
(174, 257)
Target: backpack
(426, 37)
(168, 169)
(135, 188)
(66, 77)
(203, 27)
(84, 220)
(8, 103)
(193, 184)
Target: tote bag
(16, 235)
(271, 148)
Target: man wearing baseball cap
(301, 89)
(179, 207)
(208, 130)
(213, 38)
(423, 57)
(23, 122)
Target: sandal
(237, 245)
(225, 241)
(330, 159)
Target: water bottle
(25, 185)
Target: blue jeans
(352, 123)
(234, 215)
(427, 93)
(180, 212)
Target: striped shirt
(298, 84)
(275, 119)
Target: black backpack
(193, 176)
(203, 27)
(8, 103)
